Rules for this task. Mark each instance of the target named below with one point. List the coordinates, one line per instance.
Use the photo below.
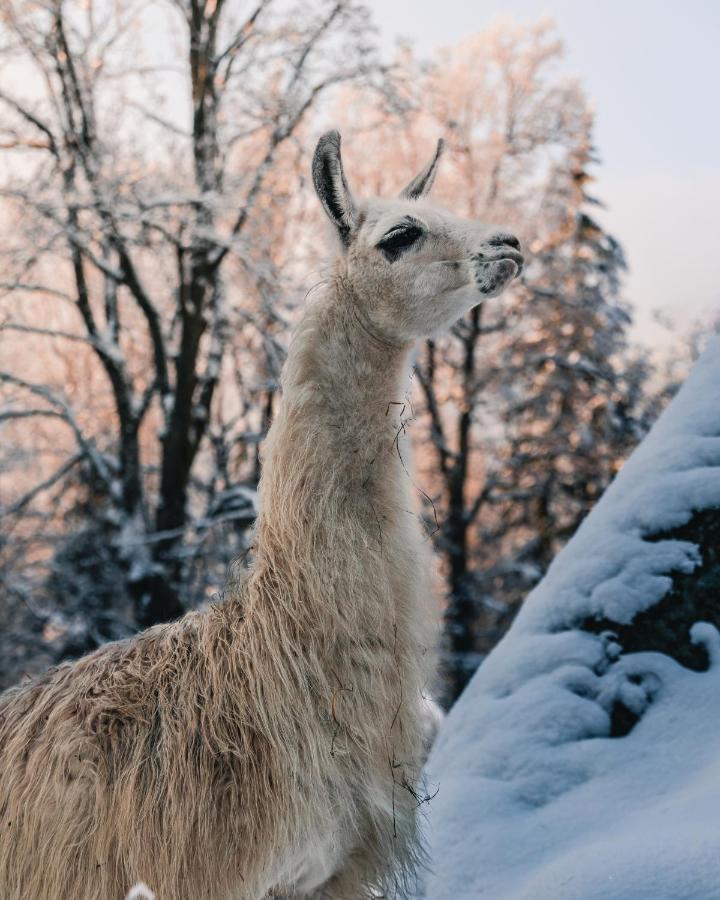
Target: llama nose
(497, 240)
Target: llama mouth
(518, 266)
(500, 256)
(492, 276)
(513, 256)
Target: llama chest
(315, 861)
(374, 825)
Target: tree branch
(30, 495)
(66, 414)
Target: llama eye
(396, 241)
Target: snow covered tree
(141, 264)
(573, 400)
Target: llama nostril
(497, 240)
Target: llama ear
(421, 183)
(331, 186)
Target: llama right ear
(331, 186)
(423, 181)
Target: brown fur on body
(271, 745)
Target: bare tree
(136, 241)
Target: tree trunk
(460, 613)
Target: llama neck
(335, 492)
(345, 382)
(337, 607)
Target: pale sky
(652, 69)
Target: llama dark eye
(393, 244)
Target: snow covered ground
(536, 799)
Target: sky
(652, 70)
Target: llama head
(412, 268)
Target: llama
(271, 745)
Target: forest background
(159, 237)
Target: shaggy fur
(270, 746)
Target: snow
(140, 891)
(536, 799)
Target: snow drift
(570, 767)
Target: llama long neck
(339, 557)
(335, 463)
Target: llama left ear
(331, 185)
(421, 183)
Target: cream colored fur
(270, 746)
